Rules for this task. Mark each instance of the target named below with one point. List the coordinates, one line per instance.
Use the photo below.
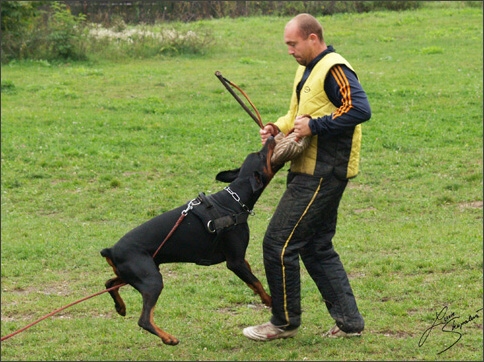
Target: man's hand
(301, 126)
(270, 129)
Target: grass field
(93, 149)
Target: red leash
(182, 216)
(59, 310)
(178, 222)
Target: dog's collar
(237, 198)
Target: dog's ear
(256, 181)
(227, 176)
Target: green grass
(91, 150)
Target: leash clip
(191, 204)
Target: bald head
(303, 36)
(307, 25)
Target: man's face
(298, 47)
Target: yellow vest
(339, 154)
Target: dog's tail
(106, 253)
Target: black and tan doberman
(213, 230)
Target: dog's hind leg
(118, 301)
(149, 282)
(147, 322)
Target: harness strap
(226, 221)
(203, 198)
(215, 223)
(212, 219)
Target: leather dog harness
(215, 222)
(211, 217)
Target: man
(328, 104)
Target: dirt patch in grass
(470, 205)
(62, 289)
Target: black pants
(304, 224)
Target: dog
(214, 229)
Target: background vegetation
(60, 30)
(93, 148)
(81, 30)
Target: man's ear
(227, 176)
(256, 182)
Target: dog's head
(257, 167)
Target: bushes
(63, 34)
(333, 7)
(18, 20)
(44, 30)
(39, 31)
(151, 12)
(31, 32)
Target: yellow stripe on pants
(286, 313)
